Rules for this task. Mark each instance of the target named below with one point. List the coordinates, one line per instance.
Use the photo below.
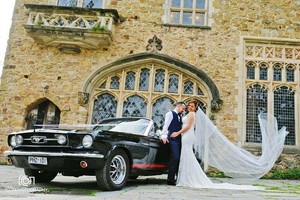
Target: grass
(291, 174)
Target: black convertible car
(114, 151)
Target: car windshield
(131, 126)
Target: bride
(201, 136)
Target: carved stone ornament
(155, 45)
(83, 98)
(216, 104)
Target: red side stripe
(146, 166)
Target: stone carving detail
(83, 98)
(271, 51)
(216, 104)
(155, 45)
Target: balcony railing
(71, 27)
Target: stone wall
(217, 51)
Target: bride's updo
(195, 102)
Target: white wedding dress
(190, 173)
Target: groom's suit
(173, 123)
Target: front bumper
(57, 161)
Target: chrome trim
(34, 153)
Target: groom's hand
(174, 135)
(164, 140)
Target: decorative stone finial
(155, 45)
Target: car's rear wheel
(41, 176)
(115, 172)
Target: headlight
(13, 141)
(61, 139)
(19, 139)
(87, 141)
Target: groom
(173, 123)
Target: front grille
(42, 139)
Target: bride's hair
(194, 101)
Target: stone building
(79, 61)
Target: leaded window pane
(202, 106)
(92, 3)
(105, 106)
(188, 4)
(188, 87)
(284, 111)
(257, 102)
(263, 72)
(200, 4)
(174, 17)
(175, 3)
(200, 92)
(173, 83)
(135, 106)
(159, 109)
(277, 73)
(290, 77)
(200, 19)
(187, 18)
(144, 80)
(115, 82)
(130, 81)
(159, 80)
(68, 3)
(250, 71)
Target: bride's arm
(190, 122)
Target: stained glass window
(130, 81)
(290, 74)
(159, 81)
(250, 70)
(188, 87)
(159, 110)
(257, 102)
(135, 106)
(277, 72)
(105, 106)
(173, 83)
(263, 72)
(284, 111)
(144, 79)
(115, 82)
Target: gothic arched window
(45, 113)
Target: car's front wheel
(115, 172)
(41, 176)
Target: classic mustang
(114, 151)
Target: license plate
(37, 160)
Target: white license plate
(37, 160)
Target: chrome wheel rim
(117, 169)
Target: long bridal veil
(213, 147)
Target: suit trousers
(175, 149)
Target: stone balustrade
(71, 28)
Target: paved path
(143, 188)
